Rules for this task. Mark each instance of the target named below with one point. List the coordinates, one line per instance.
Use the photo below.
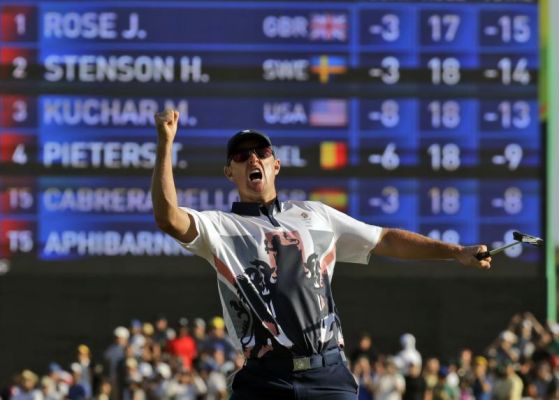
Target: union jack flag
(328, 27)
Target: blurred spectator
(409, 355)
(127, 372)
(415, 384)
(83, 359)
(189, 386)
(162, 384)
(199, 332)
(62, 379)
(217, 336)
(409, 361)
(48, 389)
(508, 385)
(465, 390)
(215, 381)
(148, 330)
(431, 376)
(504, 349)
(363, 372)
(545, 382)
(364, 348)
(525, 370)
(104, 391)
(389, 384)
(132, 388)
(137, 339)
(145, 363)
(452, 379)
(552, 336)
(445, 389)
(465, 371)
(222, 364)
(9, 390)
(77, 390)
(528, 329)
(481, 386)
(184, 345)
(161, 332)
(114, 354)
(544, 346)
(27, 387)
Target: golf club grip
(482, 255)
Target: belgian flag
(333, 155)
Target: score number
(447, 235)
(444, 200)
(513, 251)
(509, 70)
(511, 202)
(444, 71)
(443, 27)
(515, 28)
(388, 201)
(506, 114)
(388, 115)
(508, 28)
(444, 114)
(514, 114)
(446, 156)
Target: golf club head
(524, 238)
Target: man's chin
(256, 187)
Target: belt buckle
(301, 363)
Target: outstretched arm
(168, 216)
(399, 243)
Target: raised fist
(166, 123)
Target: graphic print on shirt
(286, 285)
(240, 314)
(302, 299)
(246, 291)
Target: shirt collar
(253, 209)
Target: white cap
(164, 370)
(554, 327)
(508, 336)
(76, 367)
(122, 332)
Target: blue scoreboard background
(421, 115)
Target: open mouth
(255, 175)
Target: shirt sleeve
(207, 234)
(354, 239)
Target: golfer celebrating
(274, 262)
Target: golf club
(519, 238)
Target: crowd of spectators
(521, 363)
(192, 360)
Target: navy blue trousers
(332, 382)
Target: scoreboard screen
(422, 115)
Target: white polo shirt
(274, 267)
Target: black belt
(283, 364)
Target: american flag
(328, 112)
(328, 27)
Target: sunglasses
(242, 155)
